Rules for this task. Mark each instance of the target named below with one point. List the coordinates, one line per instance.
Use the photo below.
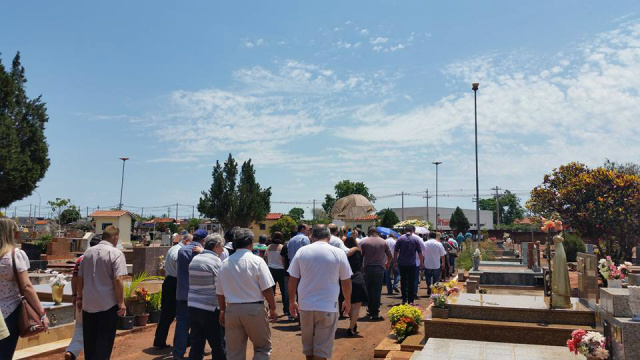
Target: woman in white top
(276, 266)
(9, 293)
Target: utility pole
(87, 212)
(436, 163)
(142, 214)
(475, 87)
(402, 205)
(193, 211)
(176, 211)
(427, 197)
(124, 160)
(313, 215)
(497, 204)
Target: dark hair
(409, 228)
(432, 235)
(302, 227)
(242, 238)
(372, 230)
(351, 242)
(333, 229)
(228, 235)
(262, 239)
(277, 238)
(321, 231)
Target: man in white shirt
(335, 240)
(169, 288)
(433, 260)
(244, 282)
(423, 248)
(318, 291)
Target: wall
(123, 223)
(255, 228)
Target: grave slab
(616, 302)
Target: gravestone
(621, 333)
(634, 279)
(59, 249)
(588, 279)
(525, 253)
(472, 286)
(148, 259)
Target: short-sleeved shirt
(101, 265)
(9, 292)
(423, 248)
(171, 261)
(260, 250)
(375, 251)
(407, 246)
(76, 267)
(319, 267)
(296, 243)
(285, 255)
(203, 272)
(337, 242)
(435, 250)
(243, 277)
(185, 255)
(391, 242)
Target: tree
(510, 208)
(344, 188)
(23, 147)
(602, 205)
(285, 225)
(69, 215)
(231, 204)
(459, 221)
(387, 218)
(193, 224)
(58, 205)
(296, 213)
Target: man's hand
(197, 249)
(293, 309)
(273, 315)
(221, 318)
(122, 310)
(346, 307)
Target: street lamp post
(39, 202)
(436, 163)
(474, 87)
(124, 160)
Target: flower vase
(476, 263)
(614, 283)
(141, 320)
(634, 302)
(57, 292)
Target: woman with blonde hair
(10, 298)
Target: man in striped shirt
(203, 302)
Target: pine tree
(459, 221)
(23, 148)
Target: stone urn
(634, 302)
(476, 263)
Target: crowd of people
(221, 289)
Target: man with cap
(185, 255)
(376, 258)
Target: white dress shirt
(171, 261)
(243, 277)
(337, 242)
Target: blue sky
(317, 92)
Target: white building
(420, 213)
(120, 218)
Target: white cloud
(378, 40)
(364, 32)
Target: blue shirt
(185, 255)
(407, 247)
(296, 243)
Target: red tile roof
(368, 217)
(112, 213)
(42, 222)
(525, 221)
(161, 220)
(273, 216)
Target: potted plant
(439, 309)
(612, 273)
(405, 320)
(590, 344)
(57, 282)
(154, 307)
(138, 305)
(126, 322)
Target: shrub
(42, 242)
(572, 246)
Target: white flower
(601, 353)
(58, 280)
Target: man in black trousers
(101, 294)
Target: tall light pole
(436, 163)
(39, 202)
(474, 87)
(124, 160)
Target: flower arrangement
(609, 270)
(141, 295)
(449, 288)
(405, 320)
(414, 222)
(589, 344)
(58, 279)
(477, 254)
(440, 300)
(551, 225)
(161, 262)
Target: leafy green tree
(70, 215)
(285, 225)
(387, 218)
(459, 221)
(173, 228)
(235, 201)
(510, 208)
(23, 147)
(344, 188)
(296, 213)
(572, 246)
(58, 205)
(193, 224)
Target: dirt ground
(285, 337)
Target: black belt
(244, 303)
